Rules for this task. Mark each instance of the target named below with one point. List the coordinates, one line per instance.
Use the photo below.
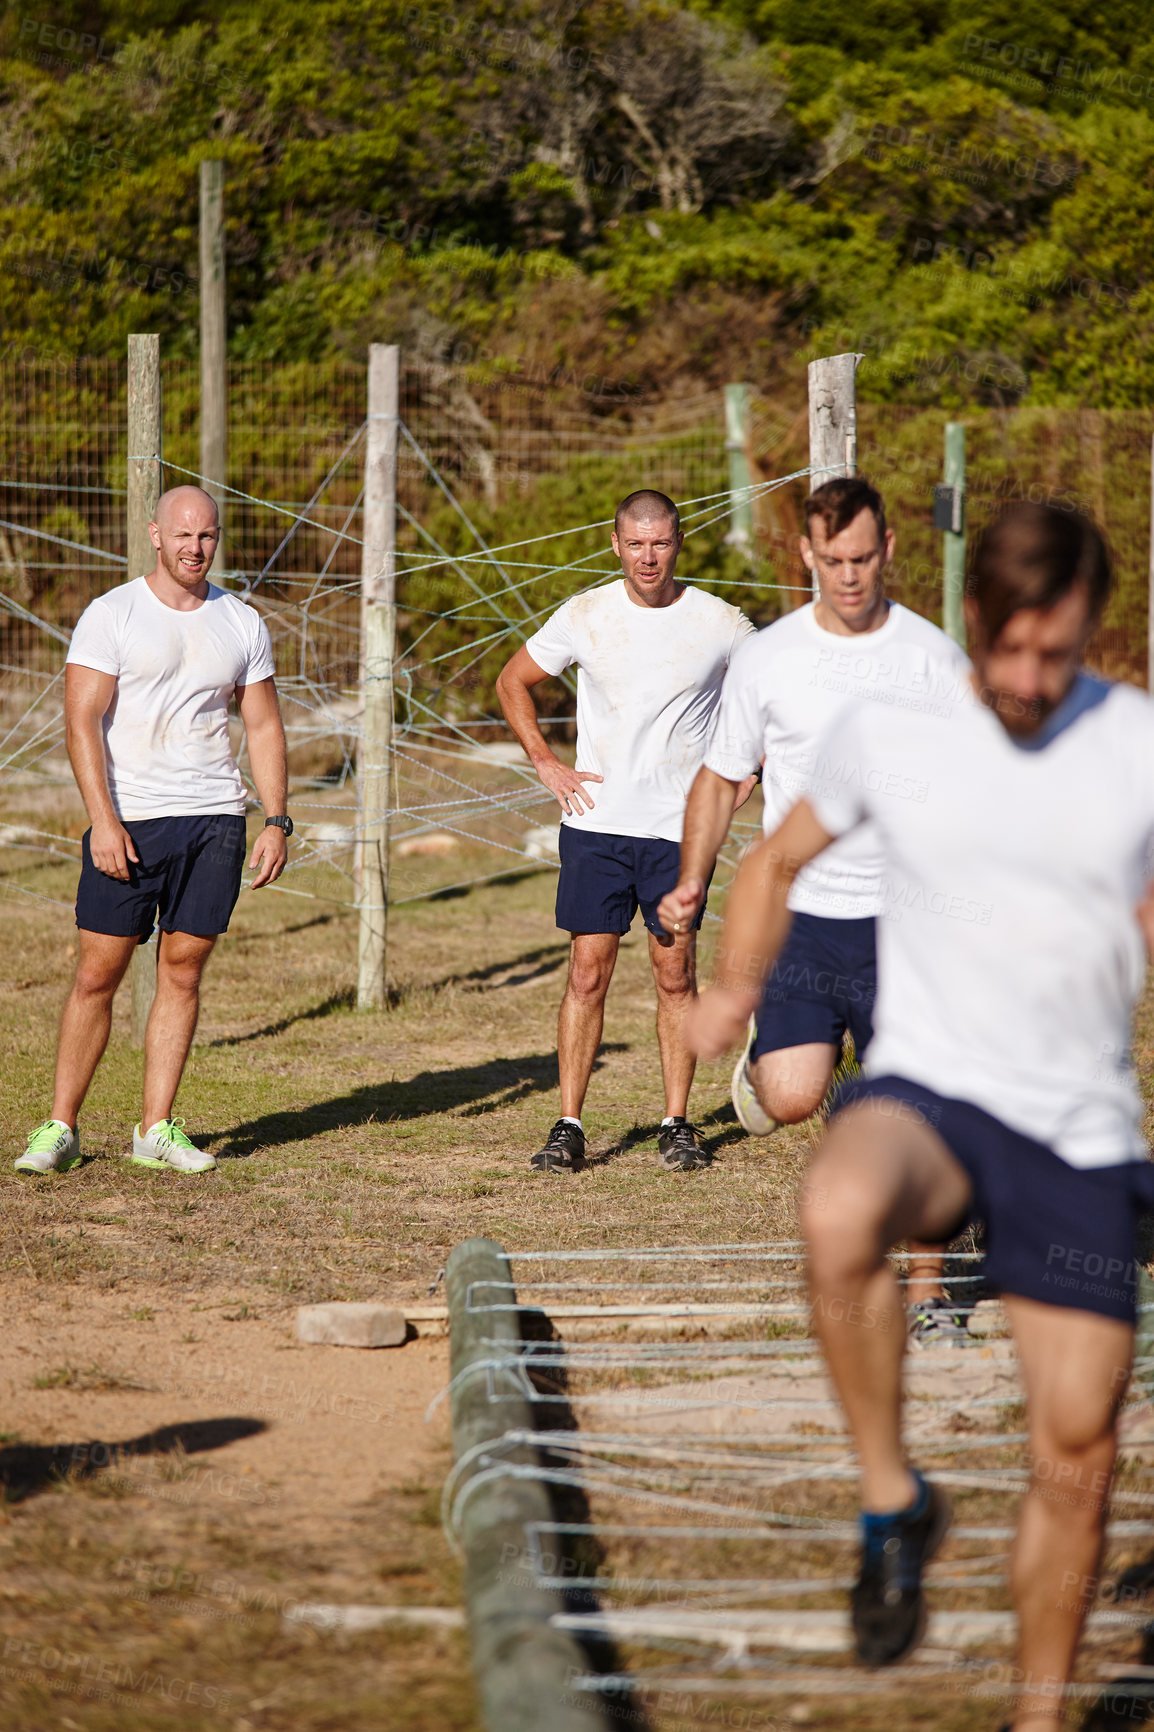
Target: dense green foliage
(621, 191)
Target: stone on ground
(346, 1323)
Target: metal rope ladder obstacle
(670, 1520)
(432, 738)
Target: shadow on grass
(28, 1468)
(453, 892)
(343, 1000)
(469, 1087)
(582, 1559)
(533, 965)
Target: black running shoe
(564, 1150)
(678, 1147)
(887, 1605)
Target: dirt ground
(146, 1584)
(180, 1472)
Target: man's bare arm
(515, 685)
(260, 713)
(88, 694)
(713, 799)
(756, 925)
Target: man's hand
(679, 907)
(269, 855)
(744, 790)
(1145, 916)
(718, 1020)
(111, 848)
(565, 784)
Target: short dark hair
(1032, 556)
(838, 502)
(646, 503)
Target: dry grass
(355, 1151)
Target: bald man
(151, 668)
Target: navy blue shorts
(1064, 1235)
(605, 879)
(188, 878)
(822, 984)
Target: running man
(650, 655)
(151, 668)
(781, 696)
(999, 1079)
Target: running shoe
(52, 1148)
(167, 1145)
(679, 1149)
(564, 1150)
(888, 1607)
(751, 1115)
(933, 1323)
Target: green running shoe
(52, 1148)
(167, 1145)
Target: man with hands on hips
(650, 655)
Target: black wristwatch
(285, 824)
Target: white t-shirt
(166, 743)
(781, 697)
(1009, 956)
(648, 681)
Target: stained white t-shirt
(648, 682)
(782, 695)
(166, 743)
(1009, 955)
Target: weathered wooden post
(950, 518)
(740, 533)
(378, 644)
(213, 345)
(527, 1668)
(143, 486)
(832, 420)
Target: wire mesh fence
(505, 487)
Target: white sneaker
(52, 1148)
(167, 1145)
(751, 1115)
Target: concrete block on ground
(343, 1323)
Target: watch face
(285, 824)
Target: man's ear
(805, 548)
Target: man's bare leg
(674, 963)
(172, 1021)
(1075, 1367)
(792, 1082)
(881, 1175)
(592, 956)
(86, 1019)
(791, 1085)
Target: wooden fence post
(950, 517)
(378, 644)
(740, 534)
(143, 485)
(213, 346)
(832, 420)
